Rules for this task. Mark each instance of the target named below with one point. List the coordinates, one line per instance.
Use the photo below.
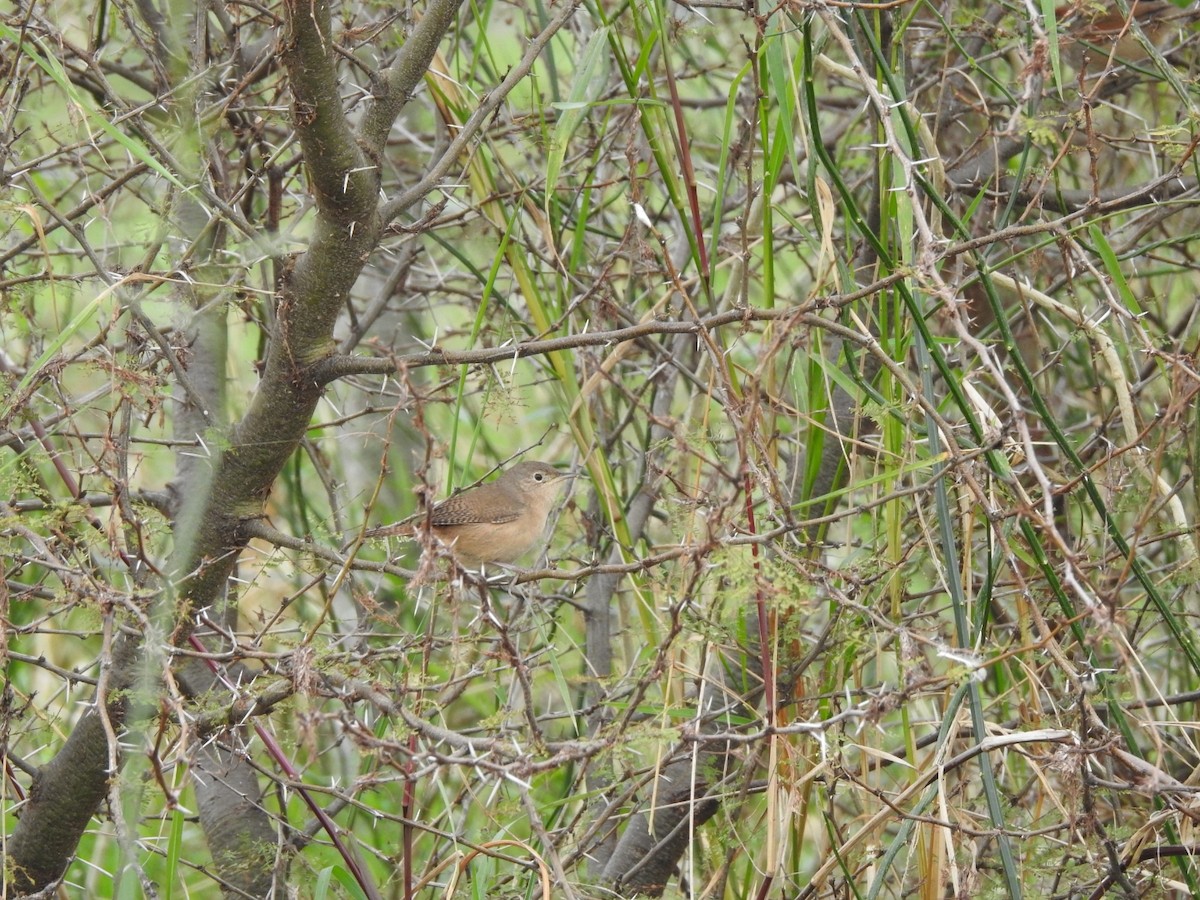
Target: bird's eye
(538, 476)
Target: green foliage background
(969, 221)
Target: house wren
(497, 522)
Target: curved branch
(395, 87)
(333, 368)
(341, 178)
(490, 103)
(1160, 190)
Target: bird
(496, 522)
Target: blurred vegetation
(870, 329)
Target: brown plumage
(497, 522)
